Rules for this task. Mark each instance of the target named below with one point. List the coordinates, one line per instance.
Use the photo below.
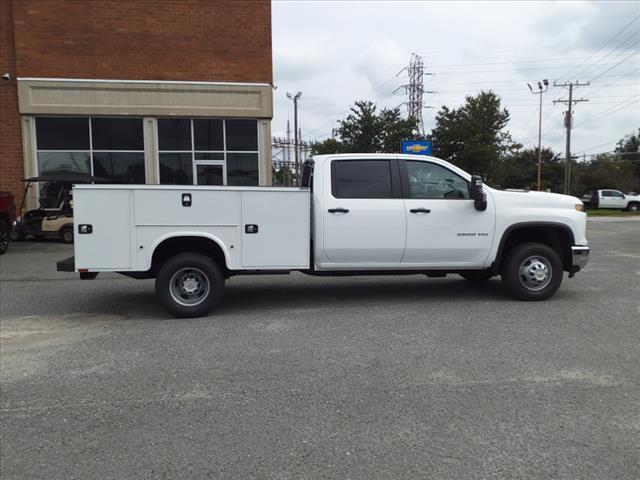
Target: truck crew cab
(355, 214)
(613, 199)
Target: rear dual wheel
(189, 285)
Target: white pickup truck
(355, 214)
(614, 199)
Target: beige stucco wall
(149, 100)
(95, 97)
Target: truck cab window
(361, 179)
(428, 180)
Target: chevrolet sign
(417, 147)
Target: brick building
(137, 91)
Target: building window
(208, 151)
(111, 148)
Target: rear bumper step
(66, 265)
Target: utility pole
(415, 89)
(540, 92)
(287, 156)
(568, 122)
(295, 99)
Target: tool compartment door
(275, 229)
(108, 212)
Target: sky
(337, 52)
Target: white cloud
(338, 52)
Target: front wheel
(189, 285)
(633, 207)
(532, 271)
(66, 234)
(4, 237)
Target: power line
(606, 44)
(614, 66)
(598, 146)
(541, 67)
(509, 62)
(586, 70)
(608, 111)
(495, 82)
(519, 48)
(637, 84)
(613, 152)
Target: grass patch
(610, 212)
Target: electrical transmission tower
(568, 123)
(415, 90)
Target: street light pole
(295, 99)
(540, 92)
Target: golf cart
(54, 217)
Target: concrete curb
(614, 219)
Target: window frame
(396, 191)
(91, 150)
(194, 162)
(406, 185)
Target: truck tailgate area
(118, 226)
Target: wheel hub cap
(189, 286)
(535, 273)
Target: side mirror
(477, 193)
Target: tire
(66, 235)
(5, 237)
(189, 285)
(524, 271)
(17, 234)
(477, 276)
(633, 207)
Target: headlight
(580, 207)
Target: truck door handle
(339, 210)
(420, 210)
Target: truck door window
(615, 194)
(428, 180)
(361, 179)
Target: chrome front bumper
(579, 257)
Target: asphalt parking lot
(303, 377)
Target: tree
(283, 177)
(619, 170)
(629, 148)
(605, 171)
(366, 130)
(330, 145)
(473, 137)
(520, 170)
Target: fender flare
(495, 266)
(208, 236)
